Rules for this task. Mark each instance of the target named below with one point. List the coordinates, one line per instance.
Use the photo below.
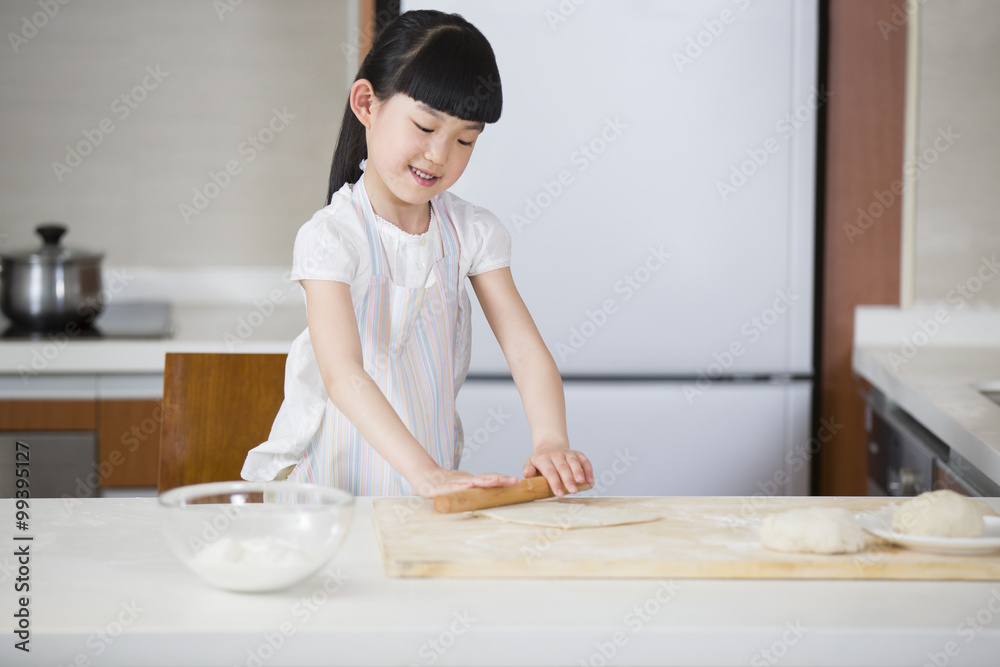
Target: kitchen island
(106, 590)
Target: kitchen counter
(213, 309)
(197, 328)
(932, 362)
(105, 590)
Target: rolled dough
(941, 513)
(558, 514)
(822, 530)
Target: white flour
(253, 564)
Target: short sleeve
(325, 249)
(492, 242)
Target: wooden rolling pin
(533, 488)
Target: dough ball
(939, 514)
(821, 530)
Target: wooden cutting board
(697, 537)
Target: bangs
(456, 73)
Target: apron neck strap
(363, 206)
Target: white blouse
(333, 246)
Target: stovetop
(145, 320)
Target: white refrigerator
(655, 166)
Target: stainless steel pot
(52, 287)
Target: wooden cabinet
(48, 415)
(128, 432)
(128, 442)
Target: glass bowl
(256, 536)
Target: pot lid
(51, 252)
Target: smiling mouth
(423, 177)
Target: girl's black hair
(439, 59)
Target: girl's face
(414, 153)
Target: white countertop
(105, 590)
(931, 362)
(253, 310)
(45, 368)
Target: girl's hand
(562, 467)
(446, 481)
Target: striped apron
(408, 348)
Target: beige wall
(956, 215)
(210, 79)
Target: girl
(370, 385)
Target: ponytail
(351, 150)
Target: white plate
(880, 525)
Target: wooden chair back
(216, 407)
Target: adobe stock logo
(627, 286)
(757, 157)
(248, 150)
(31, 27)
(883, 200)
(712, 30)
(122, 107)
(582, 158)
